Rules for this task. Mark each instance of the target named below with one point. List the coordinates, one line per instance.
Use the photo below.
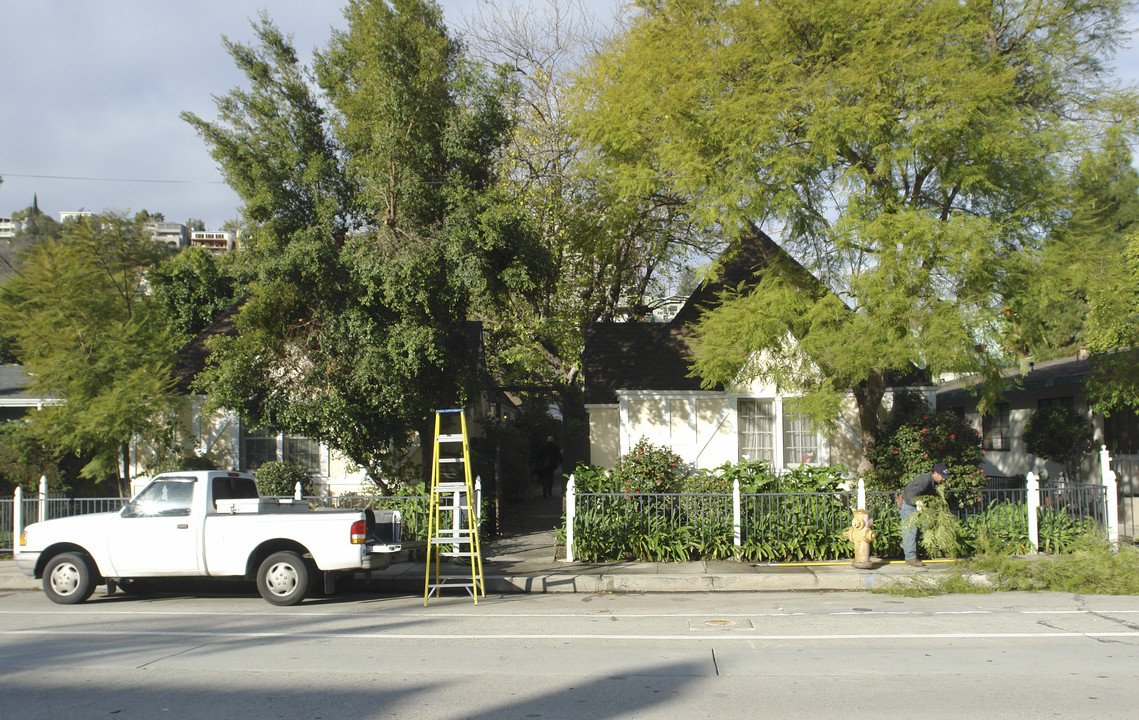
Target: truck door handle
(183, 526)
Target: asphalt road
(676, 656)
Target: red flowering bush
(649, 468)
(922, 440)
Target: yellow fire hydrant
(861, 533)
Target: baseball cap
(941, 470)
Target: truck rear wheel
(69, 579)
(283, 578)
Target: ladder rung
(451, 461)
(455, 437)
(445, 487)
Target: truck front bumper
(26, 561)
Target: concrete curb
(408, 578)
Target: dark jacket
(921, 485)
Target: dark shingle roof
(753, 254)
(635, 356)
(192, 357)
(1050, 373)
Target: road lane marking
(443, 614)
(1048, 635)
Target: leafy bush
(753, 475)
(809, 478)
(756, 476)
(186, 462)
(922, 440)
(1061, 435)
(281, 478)
(593, 479)
(648, 468)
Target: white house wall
(702, 427)
(1017, 460)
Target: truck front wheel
(283, 578)
(68, 578)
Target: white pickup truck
(206, 524)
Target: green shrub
(593, 479)
(753, 475)
(281, 478)
(649, 468)
(809, 478)
(922, 440)
(185, 462)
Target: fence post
(571, 507)
(42, 509)
(861, 494)
(297, 491)
(17, 518)
(737, 513)
(1111, 495)
(1032, 487)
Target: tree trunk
(124, 479)
(868, 398)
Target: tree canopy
(902, 152)
(372, 227)
(93, 341)
(1051, 288)
(604, 253)
(194, 287)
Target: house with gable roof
(638, 384)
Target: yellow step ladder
(454, 501)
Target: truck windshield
(165, 497)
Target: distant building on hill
(216, 241)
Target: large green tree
(372, 227)
(92, 340)
(606, 252)
(194, 287)
(34, 226)
(1048, 301)
(902, 152)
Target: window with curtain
(756, 430)
(800, 441)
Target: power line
(103, 179)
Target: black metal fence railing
(772, 526)
(783, 527)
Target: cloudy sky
(90, 94)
